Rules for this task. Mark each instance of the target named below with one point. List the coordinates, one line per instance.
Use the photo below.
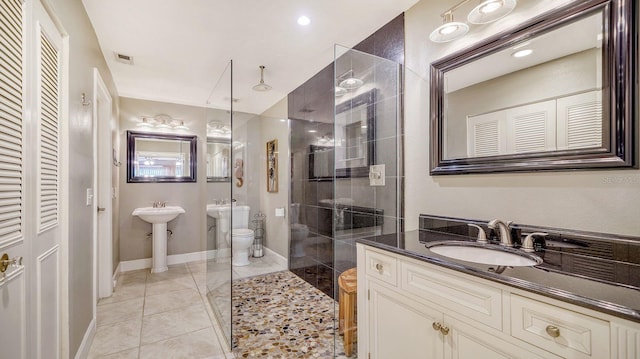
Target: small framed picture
(272, 166)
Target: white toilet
(299, 232)
(241, 236)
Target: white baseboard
(145, 263)
(87, 340)
(279, 259)
(116, 274)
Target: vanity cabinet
(413, 309)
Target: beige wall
(600, 201)
(189, 229)
(84, 54)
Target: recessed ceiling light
(304, 21)
(522, 53)
(312, 131)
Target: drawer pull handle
(436, 326)
(553, 331)
(379, 267)
(444, 330)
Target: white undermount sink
(484, 253)
(158, 215)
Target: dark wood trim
(620, 95)
(131, 147)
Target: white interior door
(13, 242)
(45, 184)
(104, 188)
(30, 107)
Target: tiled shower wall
(318, 251)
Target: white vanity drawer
(558, 330)
(382, 267)
(472, 299)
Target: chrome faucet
(505, 231)
(159, 204)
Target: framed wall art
(272, 166)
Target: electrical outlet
(376, 175)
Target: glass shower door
(220, 178)
(367, 172)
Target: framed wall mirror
(155, 157)
(554, 94)
(354, 141)
(218, 160)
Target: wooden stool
(348, 286)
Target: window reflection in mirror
(542, 94)
(218, 160)
(160, 157)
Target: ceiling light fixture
(261, 87)
(304, 21)
(491, 10)
(449, 30)
(486, 12)
(522, 53)
(340, 91)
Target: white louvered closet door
(30, 104)
(45, 185)
(13, 282)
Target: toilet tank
(240, 217)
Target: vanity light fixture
(161, 122)
(491, 10)
(348, 81)
(449, 30)
(522, 53)
(340, 91)
(144, 123)
(261, 87)
(487, 11)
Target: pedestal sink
(158, 217)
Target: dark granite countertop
(618, 300)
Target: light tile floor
(163, 315)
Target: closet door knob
(436, 326)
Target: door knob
(5, 262)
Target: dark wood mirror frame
(620, 99)
(131, 150)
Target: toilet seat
(241, 232)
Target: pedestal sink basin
(484, 253)
(158, 217)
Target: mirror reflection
(538, 95)
(160, 157)
(218, 160)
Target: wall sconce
(487, 11)
(162, 123)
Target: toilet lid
(241, 232)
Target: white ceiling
(181, 48)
